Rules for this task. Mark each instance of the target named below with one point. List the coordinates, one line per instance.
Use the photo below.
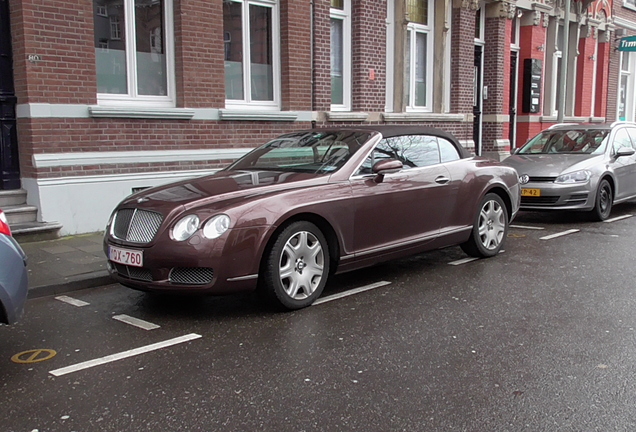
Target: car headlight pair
(212, 229)
(582, 176)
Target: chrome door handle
(442, 180)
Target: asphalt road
(540, 338)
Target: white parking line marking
(551, 236)
(617, 218)
(526, 227)
(350, 292)
(72, 301)
(123, 355)
(136, 322)
(463, 261)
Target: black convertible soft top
(389, 131)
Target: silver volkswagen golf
(578, 167)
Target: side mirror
(625, 151)
(387, 166)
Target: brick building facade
(116, 95)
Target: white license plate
(126, 256)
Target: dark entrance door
(477, 98)
(9, 166)
(514, 74)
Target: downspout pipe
(565, 55)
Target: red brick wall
(369, 55)
(199, 55)
(61, 33)
(322, 56)
(496, 78)
(585, 77)
(295, 17)
(462, 60)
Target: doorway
(514, 94)
(9, 165)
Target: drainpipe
(565, 54)
(311, 59)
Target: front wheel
(296, 266)
(604, 199)
(489, 229)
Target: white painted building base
(84, 204)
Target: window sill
(347, 116)
(629, 6)
(141, 113)
(225, 114)
(432, 117)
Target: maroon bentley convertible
(309, 204)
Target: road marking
(463, 261)
(551, 236)
(350, 292)
(617, 218)
(72, 301)
(526, 227)
(34, 356)
(136, 322)
(123, 355)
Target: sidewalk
(66, 264)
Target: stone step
(20, 213)
(35, 231)
(12, 198)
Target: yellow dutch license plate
(530, 192)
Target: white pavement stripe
(136, 322)
(72, 301)
(123, 355)
(463, 261)
(350, 292)
(526, 227)
(617, 218)
(551, 236)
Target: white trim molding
(347, 116)
(144, 113)
(52, 160)
(429, 117)
(225, 114)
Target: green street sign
(627, 44)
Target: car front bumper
(226, 265)
(553, 196)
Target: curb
(74, 283)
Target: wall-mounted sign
(627, 44)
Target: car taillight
(4, 224)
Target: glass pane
(622, 98)
(478, 24)
(337, 4)
(110, 46)
(625, 61)
(417, 11)
(261, 53)
(233, 38)
(151, 53)
(420, 69)
(337, 61)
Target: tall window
(626, 99)
(419, 55)
(131, 66)
(554, 62)
(250, 34)
(340, 55)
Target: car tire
(489, 229)
(603, 203)
(296, 266)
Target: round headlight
(215, 227)
(184, 229)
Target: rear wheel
(604, 200)
(490, 228)
(296, 266)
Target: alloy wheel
(492, 224)
(301, 265)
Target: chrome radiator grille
(136, 226)
(191, 275)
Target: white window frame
(630, 4)
(414, 29)
(247, 103)
(345, 17)
(515, 34)
(102, 10)
(133, 99)
(551, 73)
